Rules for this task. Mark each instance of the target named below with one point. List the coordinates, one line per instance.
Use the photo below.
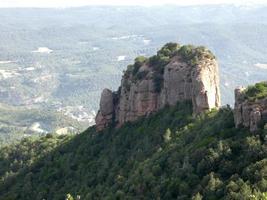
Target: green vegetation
(134, 69)
(169, 155)
(158, 62)
(163, 57)
(16, 122)
(139, 61)
(186, 52)
(257, 91)
(168, 49)
(192, 55)
(27, 152)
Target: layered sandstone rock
(249, 113)
(146, 88)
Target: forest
(169, 155)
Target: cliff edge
(174, 75)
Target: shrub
(258, 91)
(168, 49)
(140, 60)
(192, 55)
(186, 52)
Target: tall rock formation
(174, 75)
(251, 107)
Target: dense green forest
(169, 155)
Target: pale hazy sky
(70, 3)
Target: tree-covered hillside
(169, 155)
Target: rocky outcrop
(199, 83)
(105, 114)
(249, 113)
(150, 84)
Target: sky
(75, 3)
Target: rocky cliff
(251, 107)
(175, 74)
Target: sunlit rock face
(146, 90)
(199, 83)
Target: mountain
(176, 74)
(53, 62)
(171, 153)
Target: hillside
(20, 122)
(169, 155)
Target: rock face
(247, 113)
(105, 114)
(199, 83)
(145, 89)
